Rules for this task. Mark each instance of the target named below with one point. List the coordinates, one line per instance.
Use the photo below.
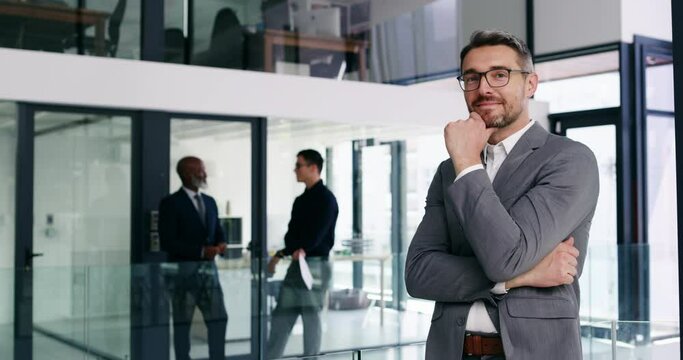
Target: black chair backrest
(174, 49)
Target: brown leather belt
(477, 345)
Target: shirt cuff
(499, 289)
(468, 170)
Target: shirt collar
(191, 193)
(511, 140)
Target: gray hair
(496, 37)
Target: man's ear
(531, 85)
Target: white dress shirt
(193, 196)
(478, 319)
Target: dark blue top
(311, 227)
(181, 232)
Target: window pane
(8, 154)
(102, 28)
(662, 229)
(659, 83)
(225, 148)
(580, 83)
(580, 93)
(351, 40)
(334, 142)
(598, 282)
(81, 284)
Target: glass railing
(97, 309)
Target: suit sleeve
(510, 243)
(169, 233)
(219, 234)
(432, 271)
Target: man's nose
(484, 87)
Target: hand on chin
(490, 118)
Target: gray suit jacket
(475, 234)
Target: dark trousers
(281, 327)
(197, 285)
(488, 357)
(294, 300)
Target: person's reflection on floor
(192, 236)
(310, 235)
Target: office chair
(174, 49)
(113, 33)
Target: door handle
(28, 259)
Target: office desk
(61, 14)
(361, 257)
(287, 38)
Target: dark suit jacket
(475, 233)
(181, 232)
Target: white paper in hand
(305, 273)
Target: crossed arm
(433, 271)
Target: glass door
(8, 154)
(657, 96)
(599, 280)
(379, 220)
(74, 241)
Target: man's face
(197, 174)
(498, 106)
(303, 170)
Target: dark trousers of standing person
(196, 285)
(296, 300)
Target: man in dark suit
(192, 236)
(490, 247)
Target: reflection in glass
(102, 28)
(662, 234)
(225, 148)
(82, 205)
(337, 39)
(8, 153)
(599, 285)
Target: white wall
(128, 84)
(650, 18)
(563, 25)
(507, 15)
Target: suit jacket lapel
(530, 141)
(190, 205)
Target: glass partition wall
(93, 27)
(373, 228)
(225, 147)
(81, 232)
(8, 154)
(350, 40)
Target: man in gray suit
(506, 221)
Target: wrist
(516, 282)
(461, 164)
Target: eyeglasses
(495, 78)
